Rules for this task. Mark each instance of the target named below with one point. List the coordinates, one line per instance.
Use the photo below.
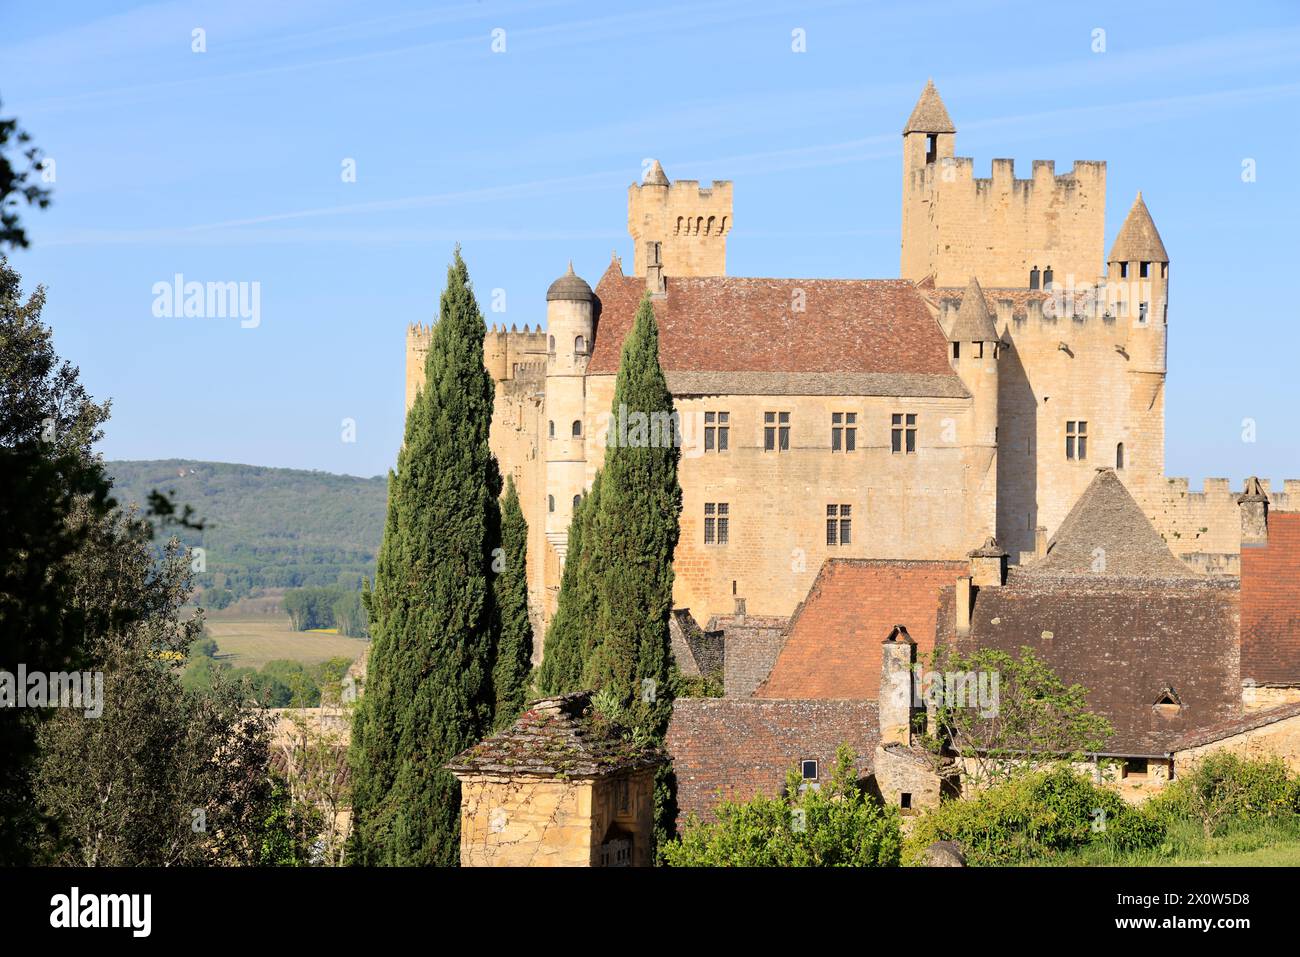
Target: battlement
(1204, 527)
(1220, 489)
(690, 223)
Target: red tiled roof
(833, 649)
(1270, 604)
(732, 324)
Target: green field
(250, 642)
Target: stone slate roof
(929, 115)
(1270, 604)
(1250, 722)
(833, 646)
(570, 286)
(723, 324)
(1126, 642)
(738, 747)
(1138, 238)
(696, 651)
(1106, 534)
(561, 736)
(816, 383)
(973, 324)
(655, 175)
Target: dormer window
(1168, 704)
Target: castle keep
(905, 419)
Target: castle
(910, 418)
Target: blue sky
(226, 166)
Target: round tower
(569, 327)
(1137, 296)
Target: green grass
(250, 642)
(1265, 844)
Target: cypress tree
(429, 690)
(514, 652)
(572, 634)
(636, 533)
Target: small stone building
(561, 787)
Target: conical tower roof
(655, 175)
(973, 324)
(1138, 239)
(929, 115)
(1107, 535)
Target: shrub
(1035, 815)
(838, 826)
(1223, 788)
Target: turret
(689, 222)
(569, 327)
(1137, 295)
(973, 352)
(929, 135)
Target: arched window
(1119, 456)
(552, 427)
(550, 503)
(579, 346)
(577, 428)
(576, 500)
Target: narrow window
(1123, 270)
(1119, 456)
(896, 433)
(956, 350)
(717, 529)
(577, 428)
(577, 500)
(931, 149)
(1144, 270)
(551, 345)
(552, 429)
(910, 432)
(776, 431)
(716, 431)
(1076, 440)
(550, 503)
(850, 431)
(979, 350)
(1142, 313)
(832, 523)
(1033, 278)
(837, 430)
(579, 346)
(808, 769)
(905, 801)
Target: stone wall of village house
(1280, 739)
(546, 822)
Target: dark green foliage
(1034, 816)
(429, 688)
(18, 182)
(695, 686)
(264, 527)
(514, 652)
(287, 831)
(310, 608)
(52, 493)
(572, 633)
(635, 534)
(838, 826)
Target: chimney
(1253, 502)
(988, 565)
(740, 611)
(962, 602)
(894, 702)
(1040, 541)
(654, 270)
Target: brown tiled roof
(723, 324)
(1138, 238)
(557, 736)
(929, 115)
(973, 322)
(816, 383)
(1229, 729)
(1106, 534)
(1270, 604)
(833, 648)
(740, 747)
(1126, 641)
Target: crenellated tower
(689, 222)
(1004, 230)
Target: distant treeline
(334, 607)
(279, 684)
(263, 527)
